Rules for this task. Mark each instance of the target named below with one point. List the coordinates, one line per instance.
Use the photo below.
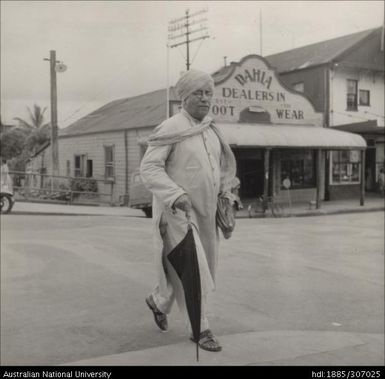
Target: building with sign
(278, 138)
(344, 79)
(277, 134)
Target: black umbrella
(185, 262)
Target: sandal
(207, 341)
(159, 317)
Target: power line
(183, 27)
(181, 54)
(84, 105)
(196, 53)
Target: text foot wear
(207, 341)
(159, 317)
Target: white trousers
(164, 296)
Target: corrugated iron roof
(317, 53)
(267, 135)
(144, 110)
(307, 56)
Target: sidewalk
(34, 208)
(372, 203)
(270, 348)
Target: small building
(104, 144)
(344, 79)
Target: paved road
(73, 288)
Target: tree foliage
(13, 142)
(37, 138)
(36, 118)
(23, 140)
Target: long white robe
(191, 166)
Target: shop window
(109, 163)
(300, 86)
(299, 167)
(345, 167)
(351, 99)
(364, 97)
(79, 165)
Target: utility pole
(55, 66)
(383, 34)
(184, 27)
(260, 32)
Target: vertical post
(327, 95)
(184, 30)
(327, 174)
(266, 176)
(167, 84)
(318, 168)
(126, 167)
(260, 32)
(54, 146)
(187, 43)
(362, 197)
(382, 35)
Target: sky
(118, 49)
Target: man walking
(186, 166)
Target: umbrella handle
(188, 216)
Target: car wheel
(6, 203)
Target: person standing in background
(6, 180)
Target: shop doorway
(250, 171)
(370, 169)
(251, 174)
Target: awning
(280, 136)
(369, 127)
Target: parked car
(140, 197)
(6, 200)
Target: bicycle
(265, 207)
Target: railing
(66, 189)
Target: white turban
(191, 81)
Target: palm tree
(38, 130)
(36, 116)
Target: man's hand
(183, 202)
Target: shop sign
(253, 93)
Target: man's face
(198, 103)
